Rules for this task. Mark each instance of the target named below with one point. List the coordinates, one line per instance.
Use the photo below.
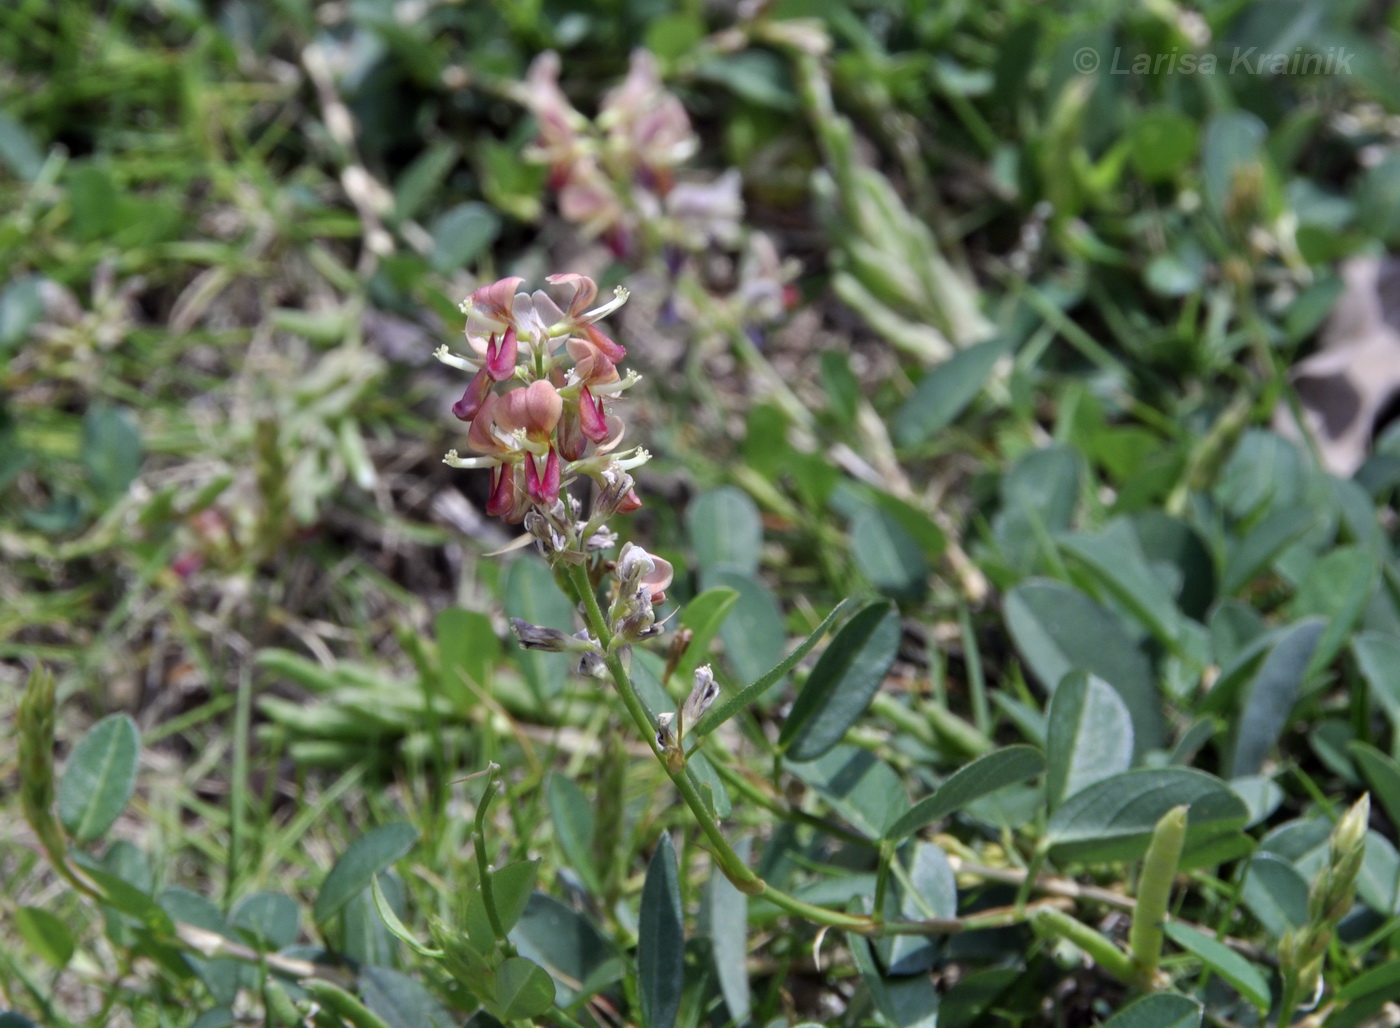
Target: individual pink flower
(646, 121)
(560, 142)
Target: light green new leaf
(371, 853)
(1247, 979)
(983, 776)
(46, 934)
(100, 778)
(1089, 736)
(661, 939)
(842, 684)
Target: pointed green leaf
(395, 924)
(983, 776)
(842, 684)
(99, 778)
(661, 939)
(1089, 736)
(1058, 629)
(863, 789)
(1276, 893)
(403, 1002)
(511, 887)
(1247, 979)
(371, 853)
(269, 918)
(754, 630)
(1271, 696)
(727, 708)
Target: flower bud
(702, 694)
(551, 640)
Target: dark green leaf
(423, 177)
(982, 777)
(367, 856)
(270, 918)
(511, 887)
(220, 975)
(404, 1003)
(1275, 893)
(945, 392)
(1058, 629)
(365, 936)
(888, 556)
(1117, 565)
(111, 450)
(661, 939)
(1378, 657)
(727, 922)
(927, 890)
(1258, 550)
(1270, 698)
(1160, 1010)
(99, 778)
(1337, 587)
(1089, 736)
(567, 945)
(572, 815)
(866, 791)
(842, 684)
(725, 531)
(1247, 979)
(1039, 495)
(523, 989)
(1113, 818)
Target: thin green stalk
(483, 868)
(238, 794)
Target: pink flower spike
(478, 389)
(614, 352)
(501, 358)
(537, 409)
(502, 490)
(591, 416)
(544, 490)
(585, 289)
(494, 302)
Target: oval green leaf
(888, 556)
(1089, 736)
(842, 684)
(725, 530)
(945, 392)
(703, 616)
(371, 853)
(99, 779)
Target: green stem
(488, 894)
